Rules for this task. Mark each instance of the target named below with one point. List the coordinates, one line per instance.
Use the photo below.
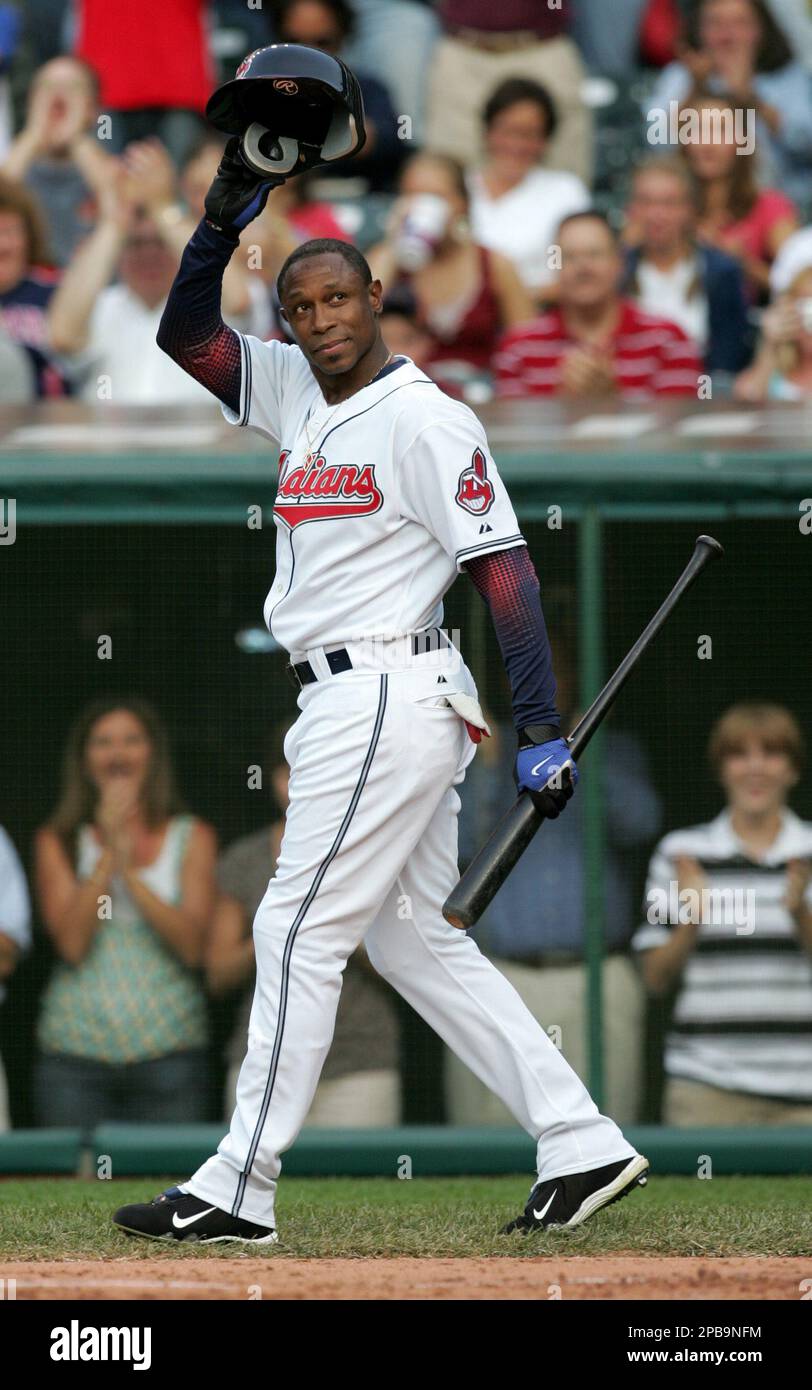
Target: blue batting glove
(548, 773)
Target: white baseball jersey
(380, 499)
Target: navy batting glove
(236, 195)
(548, 773)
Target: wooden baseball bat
(490, 867)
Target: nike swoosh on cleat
(180, 1221)
(539, 1215)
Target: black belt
(301, 673)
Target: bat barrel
(490, 867)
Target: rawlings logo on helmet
(286, 85)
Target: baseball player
(386, 491)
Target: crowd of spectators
(486, 134)
(513, 265)
(148, 921)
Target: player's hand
(237, 195)
(548, 773)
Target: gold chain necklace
(310, 445)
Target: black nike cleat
(177, 1215)
(572, 1199)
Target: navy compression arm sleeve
(191, 330)
(508, 583)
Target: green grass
(42, 1218)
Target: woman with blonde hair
(125, 886)
(782, 370)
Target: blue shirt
(24, 311)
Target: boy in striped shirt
(593, 342)
(729, 925)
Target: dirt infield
(278, 1277)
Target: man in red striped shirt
(593, 342)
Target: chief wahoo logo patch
(475, 490)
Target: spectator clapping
(729, 928)
(782, 369)
(735, 47)
(594, 343)
(125, 882)
(57, 155)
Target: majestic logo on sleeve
(318, 491)
(475, 490)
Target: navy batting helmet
(293, 106)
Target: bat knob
(711, 544)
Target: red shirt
(316, 220)
(147, 52)
(751, 234)
(509, 15)
(651, 356)
(475, 335)
(660, 27)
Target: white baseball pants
(370, 853)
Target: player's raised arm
(192, 331)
